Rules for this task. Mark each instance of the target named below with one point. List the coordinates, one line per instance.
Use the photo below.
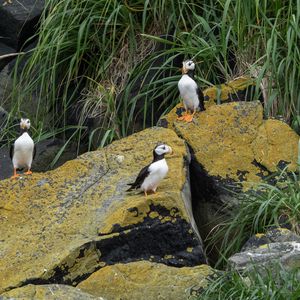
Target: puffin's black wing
(140, 179)
(201, 99)
(11, 151)
(34, 152)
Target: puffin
(23, 150)
(190, 93)
(150, 176)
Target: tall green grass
(274, 283)
(90, 44)
(258, 210)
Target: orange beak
(183, 70)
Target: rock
(276, 246)
(18, 20)
(6, 83)
(49, 292)
(46, 152)
(232, 147)
(146, 280)
(275, 235)
(3, 117)
(4, 50)
(62, 225)
(239, 89)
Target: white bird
(190, 93)
(23, 150)
(150, 176)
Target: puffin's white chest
(23, 151)
(188, 92)
(158, 170)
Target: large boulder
(276, 246)
(233, 147)
(48, 292)
(145, 280)
(61, 226)
(18, 20)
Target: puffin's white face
(187, 65)
(25, 123)
(163, 149)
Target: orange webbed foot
(16, 175)
(28, 172)
(183, 115)
(187, 118)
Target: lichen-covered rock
(60, 226)
(48, 292)
(275, 235)
(233, 142)
(233, 147)
(239, 89)
(145, 280)
(275, 246)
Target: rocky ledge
(63, 225)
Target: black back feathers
(140, 179)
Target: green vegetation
(111, 59)
(273, 284)
(256, 211)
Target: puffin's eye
(164, 147)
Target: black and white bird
(150, 176)
(23, 150)
(190, 93)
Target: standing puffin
(22, 151)
(189, 91)
(151, 175)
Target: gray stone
(268, 249)
(18, 20)
(4, 50)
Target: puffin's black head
(160, 150)
(187, 65)
(25, 124)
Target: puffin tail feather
(132, 187)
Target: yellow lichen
(260, 235)
(233, 141)
(45, 218)
(130, 281)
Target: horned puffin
(23, 150)
(190, 93)
(150, 176)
